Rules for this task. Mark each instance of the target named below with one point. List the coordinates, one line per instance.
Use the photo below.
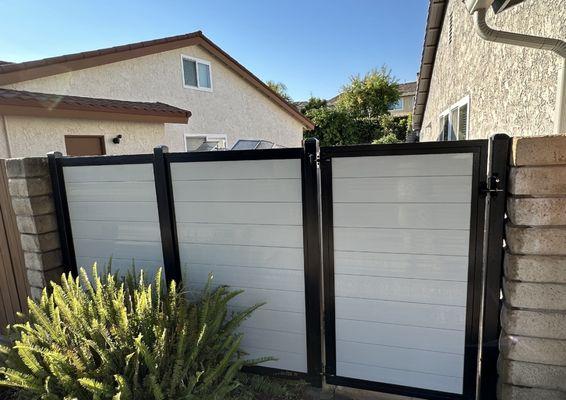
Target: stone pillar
(30, 188)
(532, 363)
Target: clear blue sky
(312, 46)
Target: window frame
(207, 137)
(448, 114)
(402, 101)
(197, 61)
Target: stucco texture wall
(512, 89)
(234, 107)
(33, 136)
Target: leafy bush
(111, 339)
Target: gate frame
(479, 149)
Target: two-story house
(182, 91)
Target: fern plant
(104, 338)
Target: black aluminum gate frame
(485, 247)
(477, 242)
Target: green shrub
(110, 339)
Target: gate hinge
(492, 186)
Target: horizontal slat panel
(387, 215)
(273, 340)
(438, 340)
(240, 213)
(397, 358)
(244, 169)
(242, 222)
(265, 257)
(249, 235)
(451, 189)
(121, 266)
(131, 231)
(124, 249)
(452, 268)
(274, 299)
(109, 173)
(114, 211)
(246, 277)
(111, 191)
(265, 190)
(275, 320)
(396, 289)
(284, 360)
(402, 313)
(410, 241)
(397, 377)
(403, 165)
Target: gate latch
(492, 186)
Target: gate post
(62, 211)
(496, 190)
(313, 259)
(166, 212)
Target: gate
(403, 234)
(388, 243)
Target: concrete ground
(343, 393)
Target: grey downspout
(536, 42)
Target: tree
(335, 127)
(312, 103)
(371, 95)
(280, 88)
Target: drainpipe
(536, 42)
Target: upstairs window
(398, 105)
(453, 122)
(196, 73)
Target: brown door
(83, 145)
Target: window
(453, 122)
(196, 73)
(398, 105)
(251, 144)
(205, 142)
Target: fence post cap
(161, 149)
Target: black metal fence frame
(161, 161)
(318, 245)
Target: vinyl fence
(367, 257)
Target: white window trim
(207, 137)
(197, 60)
(448, 112)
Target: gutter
(536, 42)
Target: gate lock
(492, 186)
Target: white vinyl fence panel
(242, 222)
(113, 213)
(401, 243)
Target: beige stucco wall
(512, 89)
(33, 136)
(234, 107)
